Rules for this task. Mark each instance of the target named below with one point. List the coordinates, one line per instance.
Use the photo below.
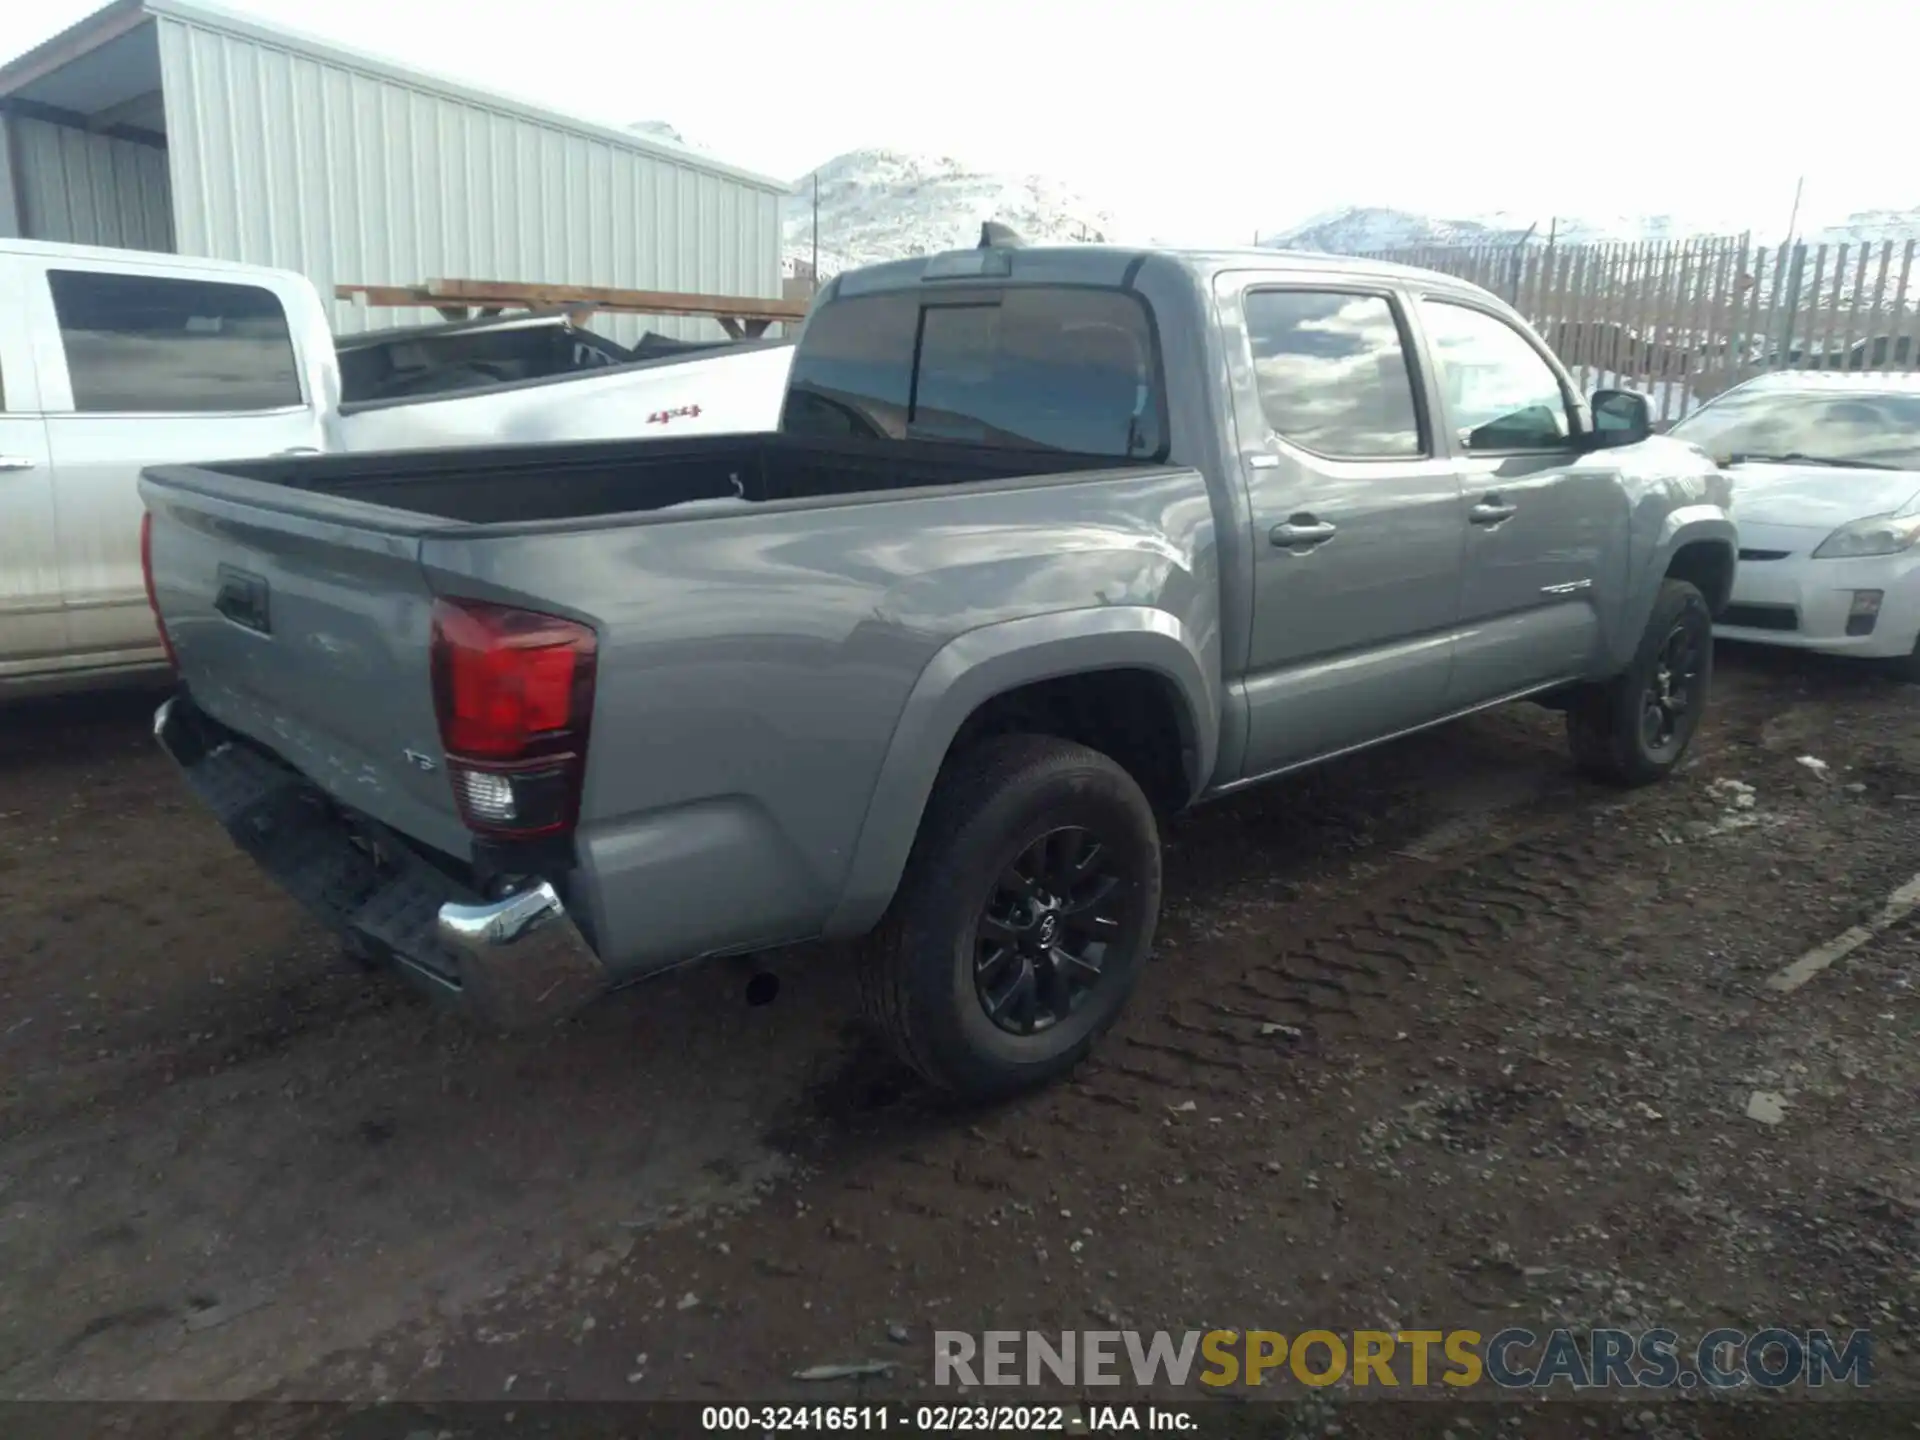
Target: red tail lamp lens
(146, 576)
(514, 692)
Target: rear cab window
(1047, 367)
(152, 344)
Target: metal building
(175, 125)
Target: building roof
(100, 54)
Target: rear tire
(1034, 885)
(1635, 728)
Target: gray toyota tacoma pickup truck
(1051, 543)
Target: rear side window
(1048, 367)
(154, 345)
(1332, 373)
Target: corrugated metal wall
(281, 158)
(9, 206)
(85, 189)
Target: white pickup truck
(114, 360)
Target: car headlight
(1875, 535)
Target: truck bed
(719, 390)
(524, 483)
(756, 652)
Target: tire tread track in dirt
(1338, 973)
(1573, 973)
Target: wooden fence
(1685, 320)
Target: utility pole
(1514, 263)
(816, 232)
(1784, 342)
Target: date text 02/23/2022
(942, 1419)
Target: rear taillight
(513, 691)
(146, 574)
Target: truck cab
(111, 360)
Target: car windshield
(1881, 431)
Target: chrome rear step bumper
(516, 961)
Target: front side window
(1332, 373)
(151, 344)
(1862, 429)
(1046, 367)
(1500, 393)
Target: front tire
(1906, 668)
(1635, 729)
(1023, 921)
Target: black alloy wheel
(1634, 728)
(1042, 937)
(1024, 918)
(1670, 692)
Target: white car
(1826, 492)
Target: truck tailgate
(305, 622)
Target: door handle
(1491, 511)
(1301, 530)
(297, 450)
(16, 462)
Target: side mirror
(1620, 417)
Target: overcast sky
(1212, 118)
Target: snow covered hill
(1363, 230)
(661, 131)
(882, 204)
(885, 204)
(1870, 227)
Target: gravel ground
(1437, 1037)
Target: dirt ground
(1437, 1037)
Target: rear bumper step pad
(514, 962)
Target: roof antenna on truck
(995, 236)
